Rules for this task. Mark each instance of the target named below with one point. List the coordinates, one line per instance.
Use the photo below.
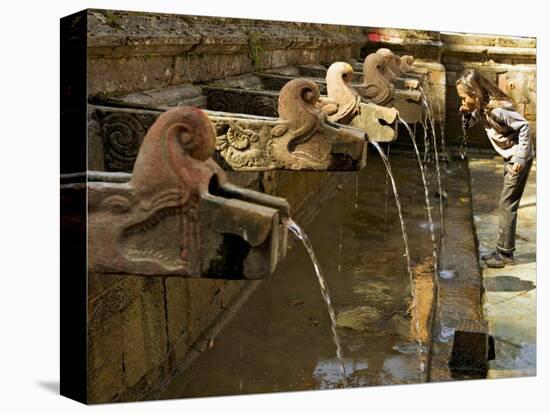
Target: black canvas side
(73, 283)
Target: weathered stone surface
(515, 84)
(376, 86)
(380, 123)
(469, 39)
(130, 45)
(190, 95)
(191, 305)
(109, 295)
(127, 334)
(437, 77)
(144, 332)
(418, 43)
(299, 139)
(176, 213)
(105, 361)
(459, 298)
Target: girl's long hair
(489, 96)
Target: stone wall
(508, 61)
(132, 51)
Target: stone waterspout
(375, 87)
(298, 139)
(378, 88)
(379, 122)
(176, 214)
(398, 70)
(406, 68)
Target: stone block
(437, 77)
(110, 295)
(128, 74)
(531, 109)
(192, 305)
(521, 42)
(145, 343)
(470, 352)
(452, 99)
(515, 84)
(231, 291)
(106, 362)
(451, 78)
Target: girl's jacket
(507, 130)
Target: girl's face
(468, 102)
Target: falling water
(298, 232)
(425, 128)
(430, 116)
(464, 142)
(386, 199)
(426, 192)
(398, 204)
(432, 233)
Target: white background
(29, 222)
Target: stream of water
(426, 191)
(437, 167)
(298, 232)
(399, 209)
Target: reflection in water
(401, 368)
(328, 371)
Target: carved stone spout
(379, 122)
(176, 214)
(299, 139)
(406, 63)
(377, 88)
(394, 63)
(399, 70)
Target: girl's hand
(464, 110)
(517, 168)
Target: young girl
(508, 132)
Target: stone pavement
(510, 293)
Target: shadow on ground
(508, 284)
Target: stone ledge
(489, 50)
(403, 37)
(131, 51)
(117, 33)
(459, 297)
(488, 40)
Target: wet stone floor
(280, 339)
(510, 292)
